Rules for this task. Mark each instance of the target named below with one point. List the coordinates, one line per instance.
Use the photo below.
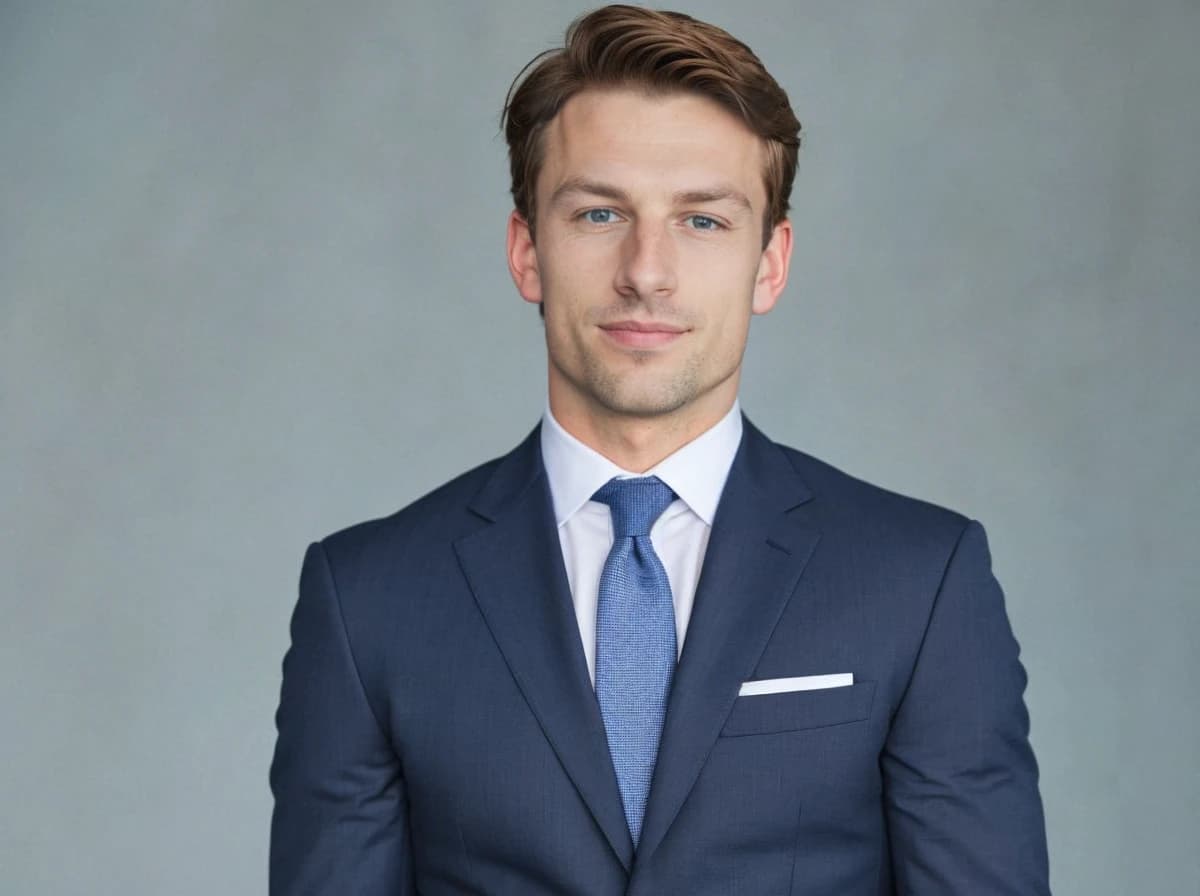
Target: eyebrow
(683, 197)
(720, 194)
(591, 187)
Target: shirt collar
(696, 472)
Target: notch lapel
(515, 570)
(755, 557)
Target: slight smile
(637, 334)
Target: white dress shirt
(696, 473)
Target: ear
(522, 259)
(773, 268)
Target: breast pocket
(799, 710)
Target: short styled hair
(661, 52)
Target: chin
(645, 402)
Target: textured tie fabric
(635, 639)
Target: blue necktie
(635, 639)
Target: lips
(642, 334)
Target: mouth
(642, 334)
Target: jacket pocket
(799, 710)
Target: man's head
(658, 52)
(652, 159)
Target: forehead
(647, 142)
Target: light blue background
(252, 289)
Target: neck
(638, 442)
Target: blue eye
(703, 222)
(599, 216)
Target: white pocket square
(803, 683)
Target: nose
(648, 264)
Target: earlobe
(522, 259)
(773, 268)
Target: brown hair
(660, 51)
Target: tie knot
(635, 503)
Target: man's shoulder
(435, 518)
(842, 500)
(872, 509)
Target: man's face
(648, 258)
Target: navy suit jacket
(438, 733)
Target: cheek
(721, 284)
(729, 255)
(573, 269)
(729, 338)
(568, 292)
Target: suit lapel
(754, 559)
(515, 569)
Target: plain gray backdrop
(253, 290)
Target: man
(649, 651)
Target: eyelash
(716, 225)
(585, 216)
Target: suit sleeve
(340, 823)
(961, 782)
